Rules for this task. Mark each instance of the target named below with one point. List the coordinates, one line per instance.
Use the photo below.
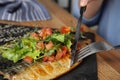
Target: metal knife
(74, 46)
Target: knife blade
(74, 46)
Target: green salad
(47, 44)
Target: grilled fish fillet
(41, 70)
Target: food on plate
(45, 44)
(40, 55)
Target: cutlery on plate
(92, 49)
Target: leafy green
(52, 50)
(68, 43)
(26, 46)
(57, 37)
(22, 48)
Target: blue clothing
(22, 10)
(109, 22)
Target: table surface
(108, 62)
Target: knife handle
(82, 10)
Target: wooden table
(108, 62)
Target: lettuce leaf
(56, 37)
(25, 47)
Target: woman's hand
(84, 2)
(93, 7)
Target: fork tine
(87, 50)
(82, 57)
(92, 49)
(83, 49)
(82, 53)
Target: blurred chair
(23, 10)
(68, 8)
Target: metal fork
(92, 49)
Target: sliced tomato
(49, 45)
(65, 29)
(43, 32)
(45, 59)
(49, 31)
(40, 45)
(51, 58)
(59, 54)
(28, 59)
(64, 50)
(34, 35)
